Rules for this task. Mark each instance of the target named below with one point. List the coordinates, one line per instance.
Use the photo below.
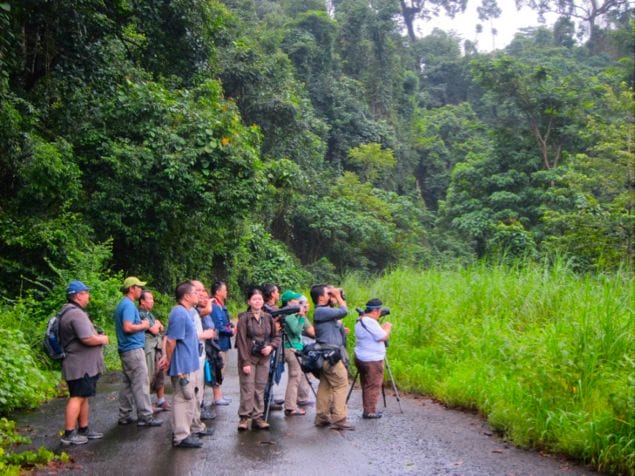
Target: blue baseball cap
(75, 287)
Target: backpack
(313, 356)
(52, 342)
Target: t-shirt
(80, 359)
(198, 325)
(181, 329)
(368, 346)
(127, 311)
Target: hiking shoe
(372, 416)
(222, 401)
(150, 422)
(188, 442)
(342, 425)
(126, 421)
(73, 439)
(90, 434)
(244, 424)
(206, 432)
(260, 425)
(207, 414)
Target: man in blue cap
(83, 364)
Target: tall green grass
(547, 355)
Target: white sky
(510, 22)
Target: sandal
(296, 412)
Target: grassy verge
(545, 354)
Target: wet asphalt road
(426, 439)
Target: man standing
(131, 339)
(153, 349)
(182, 361)
(330, 309)
(202, 413)
(370, 352)
(83, 364)
(225, 329)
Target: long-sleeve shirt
(250, 330)
(328, 329)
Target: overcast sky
(510, 21)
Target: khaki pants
(294, 380)
(198, 379)
(183, 410)
(331, 395)
(371, 375)
(252, 390)
(136, 389)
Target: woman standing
(256, 337)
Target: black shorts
(83, 387)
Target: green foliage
(22, 383)
(546, 354)
(12, 463)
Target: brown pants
(331, 395)
(371, 375)
(252, 390)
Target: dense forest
(294, 140)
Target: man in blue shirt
(130, 329)
(182, 361)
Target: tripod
(276, 369)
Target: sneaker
(188, 442)
(90, 434)
(222, 401)
(305, 403)
(372, 416)
(342, 425)
(165, 406)
(126, 421)
(150, 422)
(244, 424)
(295, 412)
(278, 401)
(207, 414)
(73, 439)
(260, 425)
(207, 432)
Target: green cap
(288, 295)
(132, 281)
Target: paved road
(426, 439)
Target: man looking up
(131, 339)
(330, 309)
(182, 361)
(83, 364)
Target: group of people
(199, 324)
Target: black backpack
(52, 343)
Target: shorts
(83, 387)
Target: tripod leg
(394, 386)
(383, 393)
(350, 390)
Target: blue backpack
(52, 343)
